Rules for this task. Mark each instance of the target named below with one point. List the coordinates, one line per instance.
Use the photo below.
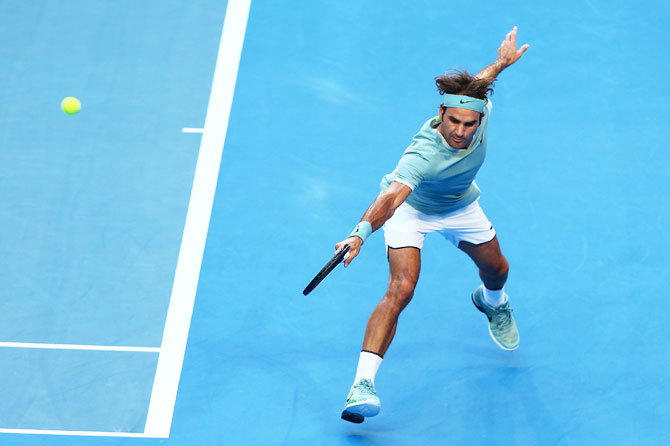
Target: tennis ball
(70, 105)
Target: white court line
(75, 433)
(178, 320)
(192, 130)
(106, 348)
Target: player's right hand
(354, 248)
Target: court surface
(155, 245)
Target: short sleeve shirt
(442, 178)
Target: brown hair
(462, 82)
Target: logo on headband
(463, 101)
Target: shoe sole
(509, 349)
(362, 409)
(352, 417)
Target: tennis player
(433, 189)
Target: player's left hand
(507, 53)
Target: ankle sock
(495, 298)
(368, 364)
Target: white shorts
(408, 226)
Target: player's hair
(462, 82)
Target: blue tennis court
(155, 245)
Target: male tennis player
(433, 189)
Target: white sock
(368, 364)
(495, 298)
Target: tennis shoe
(502, 326)
(362, 402)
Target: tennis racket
(332, 263)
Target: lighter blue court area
(328, 95)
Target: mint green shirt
(442, 178)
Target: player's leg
(404, 267)
(470, 230)
(404, 234)
(490, 297)
(493, 266)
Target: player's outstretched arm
(379, 211)
(507, 55)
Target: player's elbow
(396, 194)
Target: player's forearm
(492, 71)
(381, 210)
(374, 218)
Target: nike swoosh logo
(465, 102)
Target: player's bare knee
(400, 293)
(498, 270)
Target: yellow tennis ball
(70, 105)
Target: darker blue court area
(328, 96)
